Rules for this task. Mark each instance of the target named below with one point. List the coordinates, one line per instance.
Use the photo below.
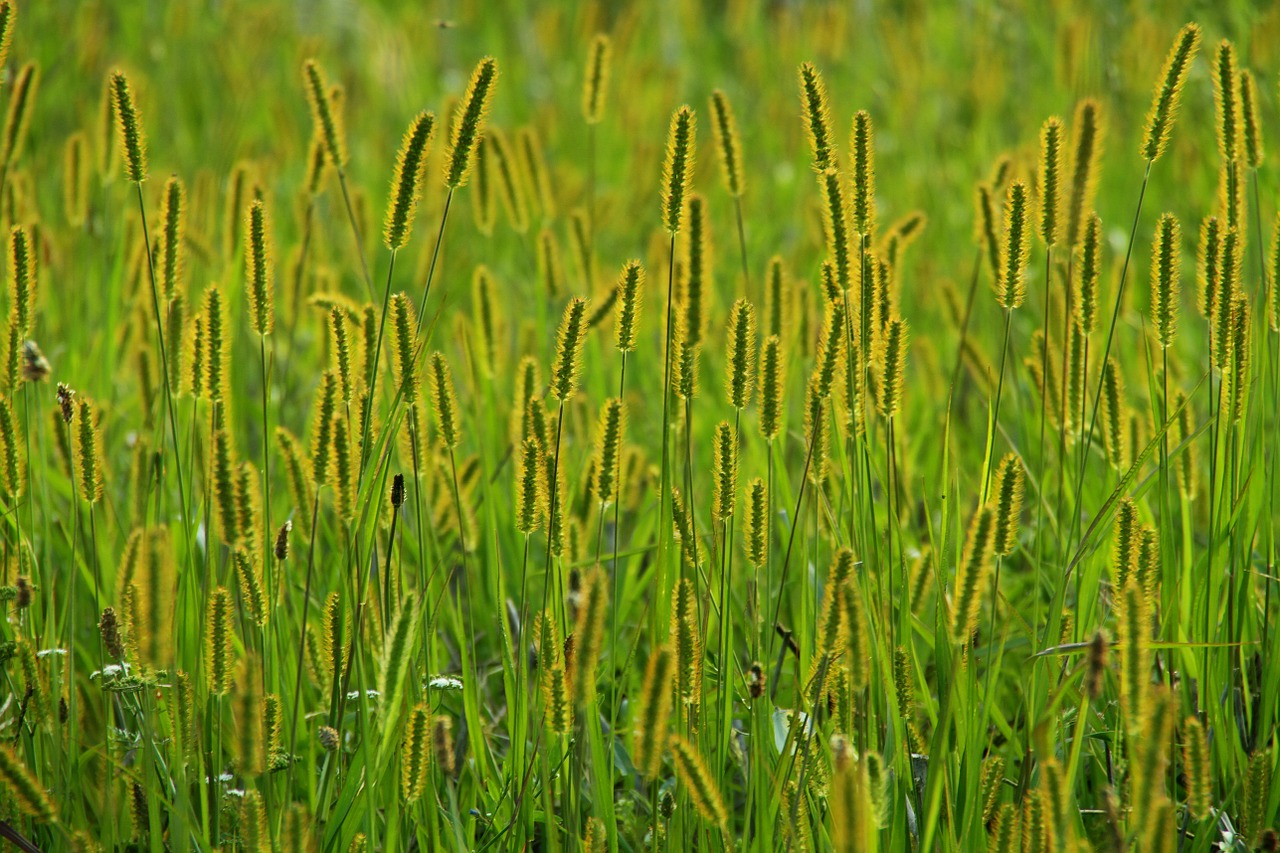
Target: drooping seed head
(1016, 248)
(1166, 265)
(1051, 148)
(469, 120)
(132, 141)
(728, 143)
(596, 82)
(28, 793)
(569, 339)
(677, 168)
(406, 185)
(1164, 104)
(259, 268)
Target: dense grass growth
(782, 429)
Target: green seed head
(1016, 248)
(727, 142)
(569, 341)
(259, 268)
(406, 185)
(1051, 146)
(595, 84)
(678, 167)
(741, 355)
(132, 142)
(817, 115)
(1164, 104)
(469, 120)
(1166, 263)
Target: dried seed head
(727, 142)
(406, 185)
(397, 491)
(1097, 665)
(132, 142)
(468, 121)
(595, 85)
(281, 549)
(678, 167)
(442, 743)
(1164, 104)
(112, 642)
(328, 738)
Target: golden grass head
(27, 792)
(589, 634)
(699, 783)
(677, 169)
(1164, 104)
(468, 121)
(7, 15)
(259, 268)
(772, 373)
(219, 635)
(596, 83)
(649, 728)
(132, 142)
(609, 449)
(406, 185)
(728, 142)
(415, 758)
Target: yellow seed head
(678, 167)
(1164, 104)
(596, 83)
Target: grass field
(639, 427)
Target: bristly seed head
(132, 142)
(406, 185)
(469, 120)
(678, 167)
(1164, 105)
